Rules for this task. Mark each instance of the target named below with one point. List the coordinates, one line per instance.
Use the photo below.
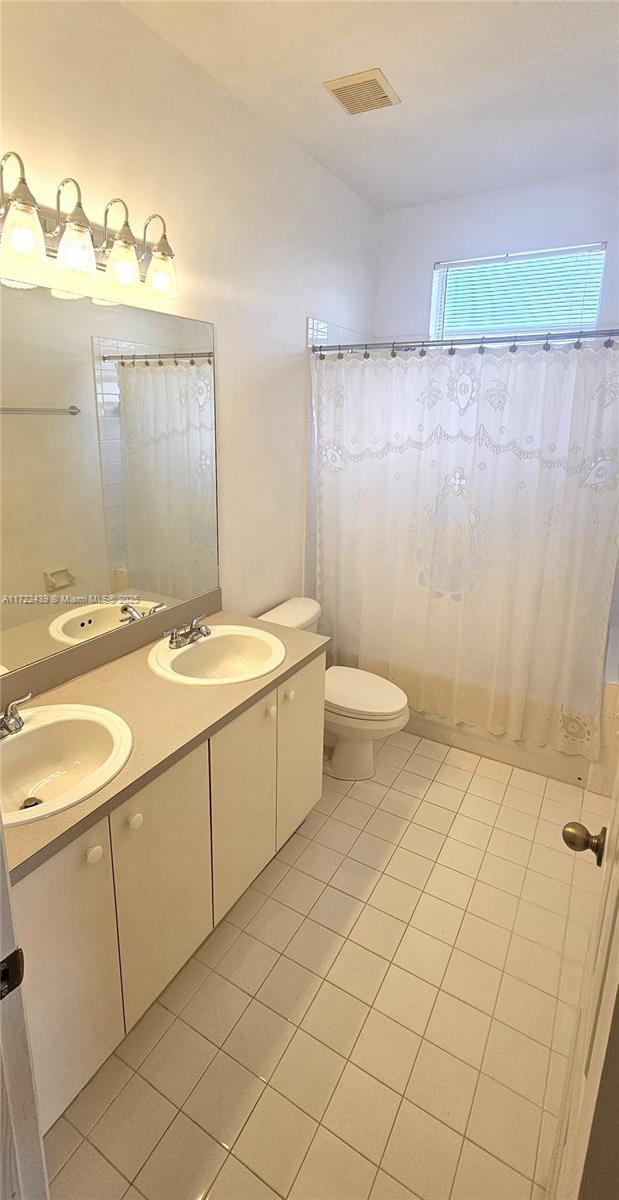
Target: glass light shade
(59, 295)
(161, 276)
(16, 283)
(76, 251)
(122, 265)
(22, 233)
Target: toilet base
(352, 758)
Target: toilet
(360, 708)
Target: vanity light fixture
(22, 232)
(30, 231)
(160, 276)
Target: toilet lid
(358, 693)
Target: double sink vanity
(156, 771)
(167, 779)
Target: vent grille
(363, 92)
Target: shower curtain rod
(157, 357)
(480, 340)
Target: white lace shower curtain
(168, 453)
(467, 531)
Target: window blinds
(518, 293)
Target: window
(518, 293)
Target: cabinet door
(66, 926)
(243, 769)
(300, 738)
(162, 872)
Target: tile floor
(384, 1015)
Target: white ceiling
(493, 94)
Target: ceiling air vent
(362, 92)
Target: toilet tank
(300, 612)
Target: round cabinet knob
(272, 711)
(94, 854)
(136, 820)
(578, 837)
(290, 695)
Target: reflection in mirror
(109, 506)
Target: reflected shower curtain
(168, 449)
(467, 531)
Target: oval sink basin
(63, 754)
(80, 624)
(232, 654)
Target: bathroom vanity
(160, 774)
(113, 895)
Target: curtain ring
(339, 353)
(546, 345)
(423, 351)
(192, 361)
(321, 356)
(122, 362)
(578, 342)
(133, 363)
(159, 362)
(452, 350)
(366, 353)
(513, 347)
(393, 353)
(609, 343)
(481, 349)
(175, 361)
(146, 362)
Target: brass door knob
(578, 837)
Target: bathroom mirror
(109, 502)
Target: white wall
(264, 237)
(583, 208)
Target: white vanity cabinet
(133, 897)
(243, 800)
(266, 775)
(300, 735)
(66, 925)
(161, 845)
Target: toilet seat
(351, 692)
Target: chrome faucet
(129, 614)
(188, 634)
(132, 614)
(10, 721)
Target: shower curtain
(467, 531)
(168, 459)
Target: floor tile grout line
(133, 1071)
(69, 1157)
(479, 1074)
(341, 1139)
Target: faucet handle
(11, 708)
(197, 626)
(155, 609)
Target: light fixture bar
(48, 220)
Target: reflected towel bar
(72, 411)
